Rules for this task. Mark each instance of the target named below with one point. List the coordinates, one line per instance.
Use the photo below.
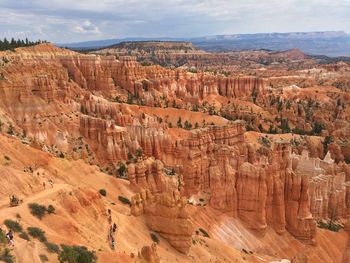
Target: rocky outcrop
(167, 215)
(148, 254)
(149, 174)
(59, 97)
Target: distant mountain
(96, 44)
(329, 43)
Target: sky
(66, 21)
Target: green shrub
(122, 169)
(76, 254)
(332, 226)
(37, 210)
(103, 192)
(43, 258)
(6, 256)
(139, 152)
(36, 232)
(3, 239)
(24, 236)
(155, 238)
(50, 209)
(52, 248)
(205, 233)
(13, 225)
(124, 200)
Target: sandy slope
(80, 216)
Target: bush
(52, 248)
(50, 209)
(205, 233)
(122, 169)
(37, 233)
(6, 256)
(103, 192)
(330, 226)
(3, 239)
(76, 254)
(155, 238)
(13, 225)
(43, 258)
(37, 210)
(124, 200)
(139, 152)
(24, 236)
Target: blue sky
(63, 21)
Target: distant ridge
(329, 43)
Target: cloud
(70, 21)
(87, 28)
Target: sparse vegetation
(3, 239)
(13, 225)
(265, 141)
(327, 140)
(10, 130)
(43, 258)
(103, 192)
(51, 209)
(76, 254)
(139, 153)
(37, 210)
(124, 200)
(6, 44)
(332, 226)
(6, 256)
(24, 236)
(52, 248)
(155, 238)
(205, 233)
(122, 169)
(37, 233)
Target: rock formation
(148, 254)
(166, 214)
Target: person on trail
(111, 231)
(9, 236)
(113, 243)
(51, 182)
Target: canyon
(229, 157)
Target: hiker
(51, 182)
(113, 243)
(9, 236)
(111, 231)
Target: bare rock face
(166, 214)
(346, 257)
(300, 258)
(149, 175)
(148, 254)
(62, 98)
(252, 192)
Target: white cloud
(87, 28)
(70, 21)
